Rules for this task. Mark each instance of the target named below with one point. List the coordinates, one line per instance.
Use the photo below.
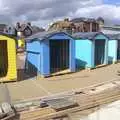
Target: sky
(44, 12)
(111, 1)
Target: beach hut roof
(87, 35)
(44, 35)
(112, 36)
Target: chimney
(29, 23)
(18, 25)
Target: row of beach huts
(52, 53)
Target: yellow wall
(21, 43)
(12, 69)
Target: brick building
(85, 25)
(78, 25)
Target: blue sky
(111, 1)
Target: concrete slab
(24, 90)
(45, 86)
(107, 112)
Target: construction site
(65, 97)
(51, 78)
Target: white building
(111, 29)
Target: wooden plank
(61, 103)
(89, 101)
(68, 111)
(86, 98)
(37, 112)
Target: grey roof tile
(86, 35)
(113, 36)
(82, 19)
(44, 35)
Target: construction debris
(6, 111)
(61, 105)
(6, 108)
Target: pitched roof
(82, 19)
(86, 35)
(36, 29)
(8, 35)
(3, 25)
(100, 19)
(44, 35)
(113, 36)
(23, 27)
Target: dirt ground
(31, 88)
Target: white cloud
(42, 12)
(108, 12)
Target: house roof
(36, 29)
(44, 35)
(2, 27)
(82, 19)
(23, 27)
(100, 19)
(87, 35)
(8, 35)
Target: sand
(31, 88)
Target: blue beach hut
(91, 49)
(49, 53)
(113, 48)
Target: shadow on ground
(22, 75)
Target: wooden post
(91, 27)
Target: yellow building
(8, 69)
(21, 43)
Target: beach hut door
(3, 58)
(99, 52)
(59, 55)
(118, 50)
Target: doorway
(99, 52)
(118, 50)
(3, 58)
(59, 55)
